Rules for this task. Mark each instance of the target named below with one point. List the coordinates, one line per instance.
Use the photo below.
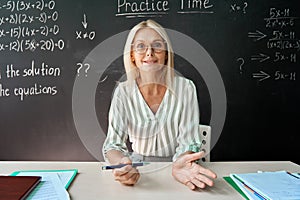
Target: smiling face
(148, 50)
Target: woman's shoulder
(122, 88)
(180, 81)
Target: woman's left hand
(191, 174)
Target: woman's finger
(121, 171)
(193, 157)
(128, 175)
(207, 172)
(198, 183)
(190, 185)
(131, 179)
(204, 180)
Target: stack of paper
(54, 183)
(267, 185)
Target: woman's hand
(126, 175)
(191, 174)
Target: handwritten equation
(22, 18)
(30, 26)
(282, 46)
(13, 6)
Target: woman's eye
(140, 46)
(157, 45)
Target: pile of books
(266, 185)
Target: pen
(292, 175)
(122, 165)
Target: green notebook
(65, 176)
(235, 186)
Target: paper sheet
(274, 185)
(250, 195)
(50, 187)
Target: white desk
(156, 181)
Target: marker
(122, 165)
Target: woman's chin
(151, 67)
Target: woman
(157, 110)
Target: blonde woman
(157, 110)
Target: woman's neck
(151, 79)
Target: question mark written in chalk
(245, 6)
(81, 65)
(242, 63)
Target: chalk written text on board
(154, 8)
(29, 26)
(282, 45)
(34, 70)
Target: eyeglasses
(141, 47)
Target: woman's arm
(188, 137)
(117, 133)
(184, 169)
(114, 147)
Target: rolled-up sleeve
(117, 125)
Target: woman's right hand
(126, 175)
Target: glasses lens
(158, 46)
(141, 47)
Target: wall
(60, 61)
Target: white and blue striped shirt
(168, 132)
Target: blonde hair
(130, 67)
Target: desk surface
(156, 181)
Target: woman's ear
(132, 58)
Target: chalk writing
(281, 56)
(85, 34)
(22, 32)
(30, 26)
(195, 6)
(23, 18)
(282, 43)
(261, 75)
(85, 66)
(13, 6)
(34, 70)
(285, 75)
(239, 7)
(144, 8)
(32, 45)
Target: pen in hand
(122, 165)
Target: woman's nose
(149, 51)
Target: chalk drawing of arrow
(261, 57)
(84, 23)
(256, 35)
(261, 75)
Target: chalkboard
(61, 60)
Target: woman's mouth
(149, 62)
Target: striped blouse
(169, 132)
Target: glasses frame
(155, 50)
